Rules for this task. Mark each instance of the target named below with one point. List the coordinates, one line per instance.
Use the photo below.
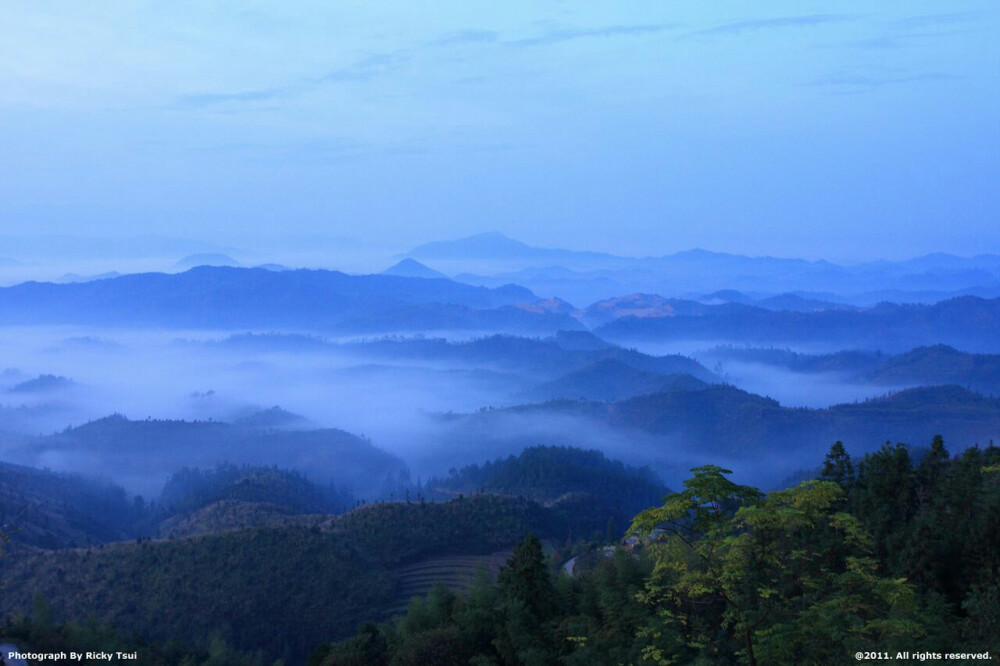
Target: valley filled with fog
(438, 373)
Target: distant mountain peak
(638, 305)
(206, 259)
(412, 268)
(553, 304)
(491, 244)
(43, 384)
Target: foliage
(190, 489)
(897, 550)
(54, 510)
(726, 574)
(583, 486)
(937, 524)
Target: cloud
(740, 27)
(932, 20)
(202, 100)
(363, 69)
(557, 35)
(862, 82)
(875, 43)
(912, 31)
(469, 36)
(367, 68)
(378, 64)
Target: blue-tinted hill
(222, 297)
(967, 321)
(414, 269)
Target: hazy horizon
(846, 132)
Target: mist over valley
(434, 373)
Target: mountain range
(224, 297)
(584, 277)
(967, 322)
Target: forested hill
(195, 501)
(45, 509)
(887, 549)
(934, 364)
(226, 298)
(548, 474)
(966, 322)
(152, 448)
(280, 589)
(547, 358)
(610, 379)
(722, 420)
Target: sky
(845, 130)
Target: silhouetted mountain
(583, 277)
(273, 267)
(965, 322)
(797, 303)
(580, 340)
(609, 380)
(550, 305)
(284, 491)
(206, 259)
(723, 423)
(74, 277)
(560, 478)
(549, 358)
(642, 306)
(43, 384)
(414, 269)
(495, 246)
(274, 418)
(941, 364)
(51, 510)
(727, 296)
(936, 364)
(220, 297)
(535, 357)
(149, 449)
(852, 363)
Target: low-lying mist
(407, 405)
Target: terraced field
(456, 571)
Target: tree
(526, 601)
(837, 467)
(782, 578)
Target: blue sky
(847, 130)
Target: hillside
(150, 449)
(941, 364)
(679, 429)
(966, 322)
(576, 483)
(43, 384)
(546, 357)
(935, 364)
(413, 269)
(784, 283)
(227, 298)
(609, 380)
(248, 586)
(190, 490)
(50, 510)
